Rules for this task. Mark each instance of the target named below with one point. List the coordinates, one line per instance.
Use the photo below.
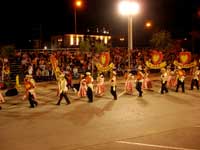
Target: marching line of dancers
(140, 81)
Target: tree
(161, 40)
(99, 47)
(85, 45)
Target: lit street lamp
(129, 8)
(78, 4)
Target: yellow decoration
(155, 66)
(104, 69)
(190, 65)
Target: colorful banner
(101, 68)
(54, 63)
(185, 60)
(104, 59)
(185, 57)
(156, 60)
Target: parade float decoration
(54, 63)
(103, 62)
(156, 60)
(184, 60)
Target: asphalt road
(153, 122)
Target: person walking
(113, 83)
(89, 81)
(29, 83)
(163, 78)
(62, 89)
(139, 80)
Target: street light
(78, 4)
(129, 8)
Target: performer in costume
(29, 83)
(83, 87)
(139, 80)
(129, 84)
(89, 81)
(62, 89)
(100, 89)
(180, 79)
(146, 84)
(113, 83)
(163, 78)
(171, 78)
(195, 78)
(2, 100)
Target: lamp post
(78, 4)
(129, 8)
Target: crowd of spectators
(73, 63)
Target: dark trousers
(90, 94)
(139, 88)
(195, 82)
(113, 92)
(31, 100)
(182, 84)
(164, 87)
(63, 94)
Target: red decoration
(156, 57)
(105, 59)
(185, 57)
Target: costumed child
(113, 84)
(100, 89)
(171, 78)
(89, 81)
(83, 87)
(139, 80)
(146, 84)
(129, 84)
(2, 100)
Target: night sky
(20, 20)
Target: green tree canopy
(161, 40)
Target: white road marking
(122, 93)
(155, 146)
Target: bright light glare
(129, 8)
(78, 3)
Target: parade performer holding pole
(62, 89)
(113, 83)
(29, 83)
(89, 81)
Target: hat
(28, 76)
(179, 67)
(114, 72)
(88, 73)
(162, 69)
(139, 67)
(62, 75)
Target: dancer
(139, 80)
(89, 81)
(195, 78)
(129, 84)
(146, 84)
(29, 83)
(163, 81)
(180, 79)
(113, 83)
(171, 78)
(2, 100)
(83, 87)
(100, 89)
(62, 89)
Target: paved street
(153, 122)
